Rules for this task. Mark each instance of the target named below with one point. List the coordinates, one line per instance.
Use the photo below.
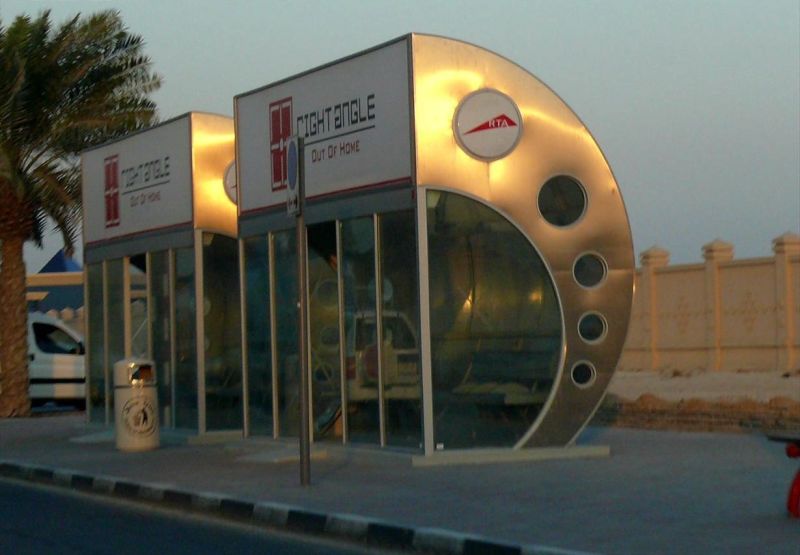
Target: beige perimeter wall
(722, 314)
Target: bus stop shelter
(161, 273)
(470, 262)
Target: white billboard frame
(139, 184)
(354, 116)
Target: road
(36, 519)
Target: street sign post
(294, 176)
(295, 200)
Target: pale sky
(696, 104)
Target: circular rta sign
(229, 181)
(487, 124)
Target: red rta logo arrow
(497, 122)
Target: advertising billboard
(138, 184)
(353, 116)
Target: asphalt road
(37, 519)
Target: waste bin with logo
(135, 405)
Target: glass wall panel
(324, 328)
(160, 330)
(259, 349)
(287, 323)
(185, 333)
(222, 341)
(401, 369)
(116, 320)
(97, 374)
(495, 325)
(358, 270)
(137, 270)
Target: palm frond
(65, 88)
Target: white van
(56, 367)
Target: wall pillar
(714, 254)
(650, 260)
(786, 247)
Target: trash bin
(135, 405)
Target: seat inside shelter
(161, 270)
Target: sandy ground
(711, 386)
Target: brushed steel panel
(554, 142)
(212, 151)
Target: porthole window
(592, 327)
(562, 200)
(589, 270)
(329, 337)
(583, 374)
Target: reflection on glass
(401, 369)
(324, 328)
(259, 379)
(97, 374)
(495, 325)
(137, 270)
(185, 349)
(222, 341)
(286, 323)
(358, 270)
(160, 329)
(116, 318)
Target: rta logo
(487, 124)
(280, 129)
(497, 122)
(112, 190)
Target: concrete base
(105, 436)
(213, 438)
(283, 455)
(489, 456)
(168, 437)
(277, 451)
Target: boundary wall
(719, 315)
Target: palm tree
(62, 89)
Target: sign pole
(295, 204)
(305, 417)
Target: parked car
(56, 365)
(401, 357)
(401, 373)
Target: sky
(696, 104)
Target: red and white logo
(280, 129)
(487, 124)
(495, 123)
(112, 190)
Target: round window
(583, 374)
(589, 270)
(592, 327)
(562, 200)
(329, 336)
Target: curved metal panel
(553, 142)
(212, 140)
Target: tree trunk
(14, 399)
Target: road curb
(355, 528)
